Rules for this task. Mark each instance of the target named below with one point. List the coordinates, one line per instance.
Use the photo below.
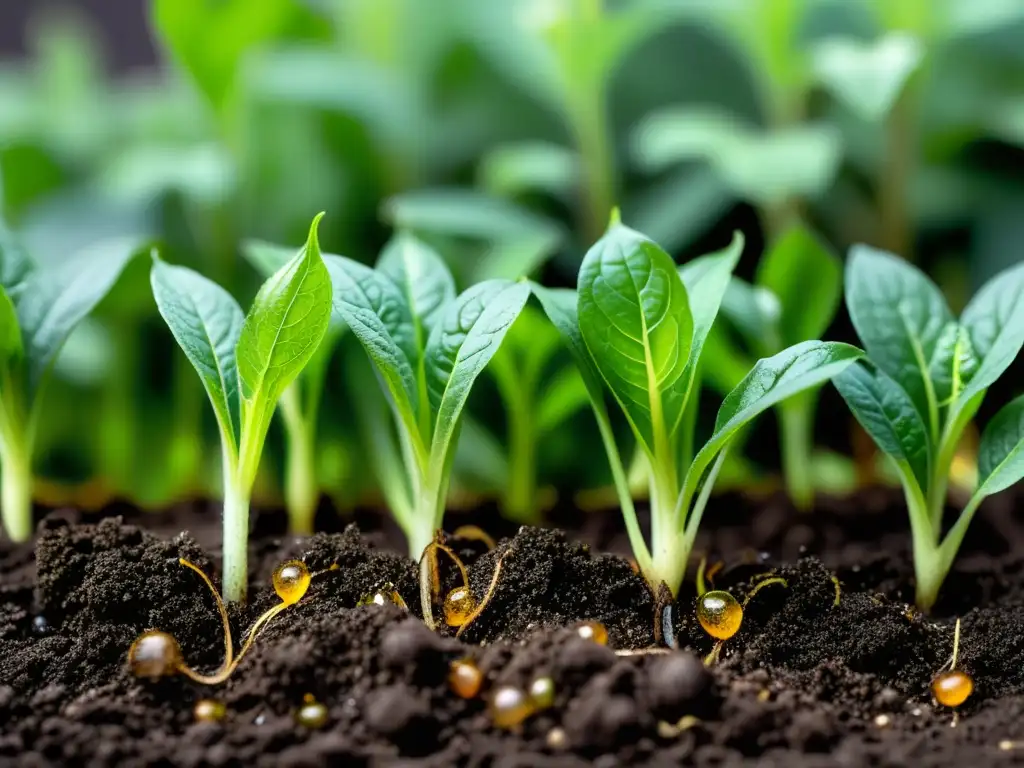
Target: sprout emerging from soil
(925, 378)
(460, 606)
(246, 362)
(156, 654)
(637, 327)
(428, 347)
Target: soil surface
(805, 682)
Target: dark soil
(805, 682)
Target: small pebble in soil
(509, 706)
(882, 721)
(154, 654)
(677, 684)
(951, 689)
(209, 711)
(593, 630)
(465, 678)
(386, 595)
(556, 739)
(542, 692)
(312, 714)
(291, 580)
(40, 625)
(458, 606)
(719, 614)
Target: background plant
(927, 375)
(794, 297)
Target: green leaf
(15, 265)
(754, 312)
(423, 277)
(900, 316)
(211, 37)
(887, 413)
(706, 279)
(53, 301)
(994, 323)
(772, 380)
(375, 308)
(867, 77)
(10, 331)
(761, 166)
(207, 323)
(807, 279)
(284, 326)
(462, 344)
(1001, 451)
(636, 321)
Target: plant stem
(521, 490)
(591, 127)
(16, 490)
(796, 432)
(236, 539)
(302, 492)
(897, 170)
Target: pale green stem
(16, 490)
(796, 432)
(302, 492)
(236, 539)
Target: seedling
(246, 363)
(38, 310)
(924, 380)
(300, 401)
(794, 297)
(156, 654)
(638, 326)
(428, 347)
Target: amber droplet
(465, 678)
(291, 580)
(951, 689)
(509, 706)
(593, 630)
(458, 606)
(312, 714)
(154, 654)
(386, 594)
(719, 614)
(209, 711)
(542, 692)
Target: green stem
(236, 538)
(521, 490)
(302, 492)
(16, 490)
(796, 431)
(897, 170)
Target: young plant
(637, 327)
(246, 363)
(924, 379)
(39, 307)
(794, 297)
(537, 399)
(300, 403)
(428, 347)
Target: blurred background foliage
(502, 131)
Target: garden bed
(804, 682)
